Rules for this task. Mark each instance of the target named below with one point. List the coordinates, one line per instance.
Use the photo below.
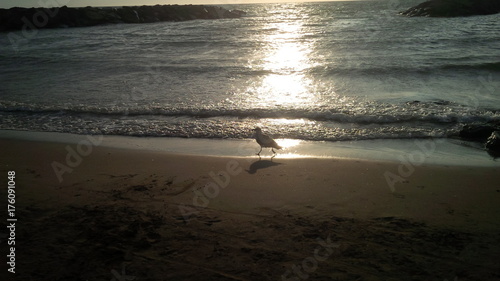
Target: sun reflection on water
(284, 60)
(288, 143)
(283, 90)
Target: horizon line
(202, 2)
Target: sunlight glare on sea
(285, 58)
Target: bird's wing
(267, 141)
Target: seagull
(265, 141)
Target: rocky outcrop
(454, 8)
(487, 134)
(493, 144)
(19, 18)
(478, 132)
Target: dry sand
(127, 214)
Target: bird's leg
(258, 153)
(274, 154)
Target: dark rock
(488, 134)
(128, 15)
(477, 132)
(493, 144)
(238, 12)
(36, 18)
(454, 8)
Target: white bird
(265, 141)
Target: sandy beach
(100, 213)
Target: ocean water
(328, 71)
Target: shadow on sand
(261, 164)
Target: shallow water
(416, 153)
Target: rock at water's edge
(487, 134)
(493, 144)
(477, 132)
(454, 8)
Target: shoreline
(439, 152)
(195, 217)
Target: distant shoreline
(15, 19)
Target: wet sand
(123, 213)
